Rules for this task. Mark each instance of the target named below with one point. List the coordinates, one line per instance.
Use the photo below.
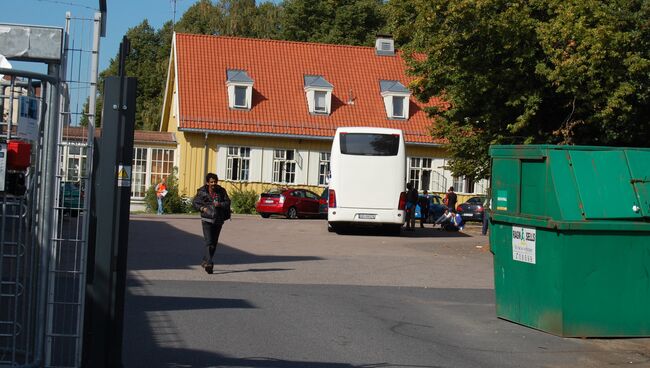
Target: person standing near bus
(411, 202)
(161, 192)
(423, 201)
(451, 199)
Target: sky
(121, 15)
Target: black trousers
(211, 236)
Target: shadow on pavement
(155, 245)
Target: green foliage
(542, 71)
(337, 22)
(173, 202)
(242, 200)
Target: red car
(292, 203)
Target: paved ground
(289, 294)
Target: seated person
(444, 218)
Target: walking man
(212, 202)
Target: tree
(542, 71)
(335, 21)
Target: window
(319, 101)
(284, 166)
(139, 183)
(311, 195)
(73, 162)
(396, 99)
(240, 89)
(398, 107)
(162, 164)
(324, 168)
(150, 165)
(460, 184)
(319, 94)
(369, 144)
(238, 163)
(420, 172)
(240, 96)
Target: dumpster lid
(612, 184)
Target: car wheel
(292, 213)
(330, 228)
(265, 215)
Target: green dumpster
(570, 234)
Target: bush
(173, 202)
(243, 201)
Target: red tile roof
(279, 103)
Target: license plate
(468, 214)
(367, 216)
(268, 201)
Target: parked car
(71, 197)
(436, 208)
(292, 203)
(323, 204)
(472, 209)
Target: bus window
(369, 144)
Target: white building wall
(222, 155)
(267, 165)
(256, 164)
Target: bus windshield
(369, 144)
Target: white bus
(368, 178)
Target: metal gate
(45, 197)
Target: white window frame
(401, 114)
(232, 86)
(240, 93)
(167, 164)
(460, 184)
(139, 174)
(320, 96)
(388, 104)
(284, 166)
(238, 163)
(323, 168)
(418, 166)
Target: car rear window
(271, 195)
(369, 144)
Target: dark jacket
(214, 214)
(423, 201)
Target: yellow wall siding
(423, 151)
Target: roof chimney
(384, 45)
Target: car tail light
(402, 201)
(459, 208)
(332, 198)
(480, 209)
(281, 198)
(322, 201)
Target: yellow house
(262, 113)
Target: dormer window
(396, 99)
(319, 94)
(240, 89)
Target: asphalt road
(286, 293)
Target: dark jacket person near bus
(411, 202)
(423, 201)
(212, 202)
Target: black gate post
(108, 254)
